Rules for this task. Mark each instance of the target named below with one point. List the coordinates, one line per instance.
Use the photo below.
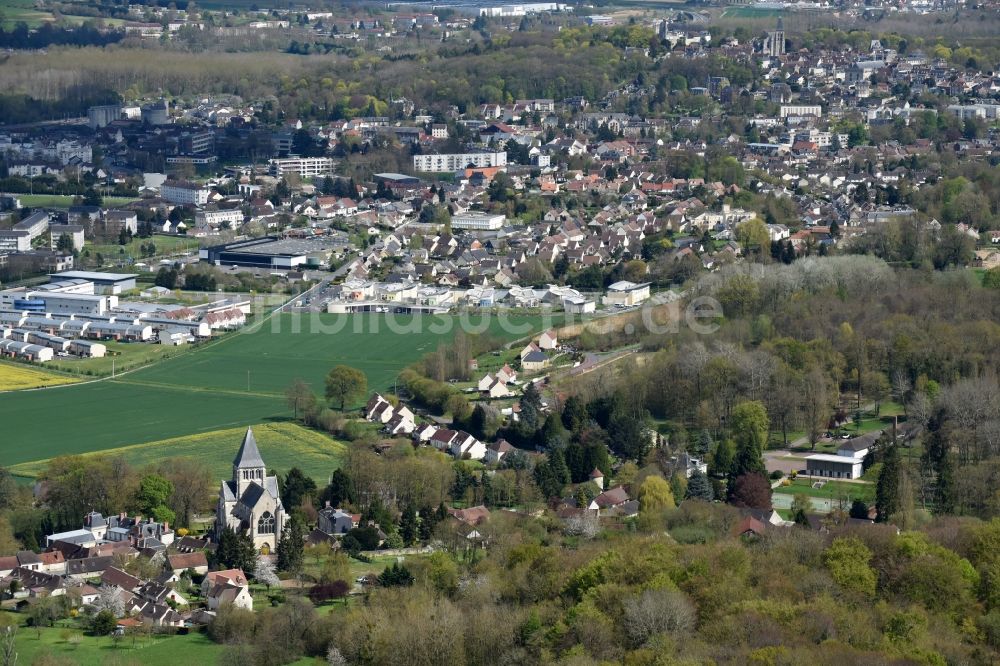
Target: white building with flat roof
(184, 193)
(307, 167)
(476, 221)
(447, 162)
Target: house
(486, 382)
(474, 515)
(401, 422)
(118, 578)
(530, 348)
(424, 433)
(497, 389)
(161, 594)
(597, 477)
(465, 446)
(623, 294)
(535, 361)
(181, 562)
(608, 500)
(548, 340)
(225, 577)
(227, 593)
(837, 467)
(750, 528)
(337, 521)
(506, 374)
(497, 450)
(158, 615)
(378, 409)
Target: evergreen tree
(699, 487)
(703, 444)
(531, 409)
(750, 426)
(291, 546)
(938, 460)
(887, 490)
(236, 551)
(428, 520)
(408, 526)
(295, 487)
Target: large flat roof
(825, 457)
(95, 276)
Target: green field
(284, 445)
(829, 490)
(206, 389)
(62, 200)
(194, 648)
(165, 245)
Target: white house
(548, 340)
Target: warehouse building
(267, 252)
(104, 283)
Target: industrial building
(268, 252)
(104, 283)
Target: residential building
(448, 162)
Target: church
(249, 503)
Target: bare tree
(7, 652)
(656, 612)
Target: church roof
(251, 495)
(248, 455)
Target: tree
(65, 243)
(815, 403)
(801, 507)
(296, 487)
(191, 481)
(699, 487)
(153, 496)
(236, 551)
(103, 623)
(754, 238)
(751, 491)
(847, 559)
(264, 572)
(655, 494)
(408, 525)
(299, 396)
(396, 575)
(723, 458)
(8, 653)
(291, 547)
(110, 599)
(345, 383)
(339, 490)
(750, 426)
(92, 198)
(166, 278)
(887, 502)
(531, 409)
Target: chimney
(328, 504)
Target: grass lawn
(165, 245)
(830, 489)
(15, 376)
(193, 648)
(63, 200)
(284, 445)
(123, 355)
(206, 388)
